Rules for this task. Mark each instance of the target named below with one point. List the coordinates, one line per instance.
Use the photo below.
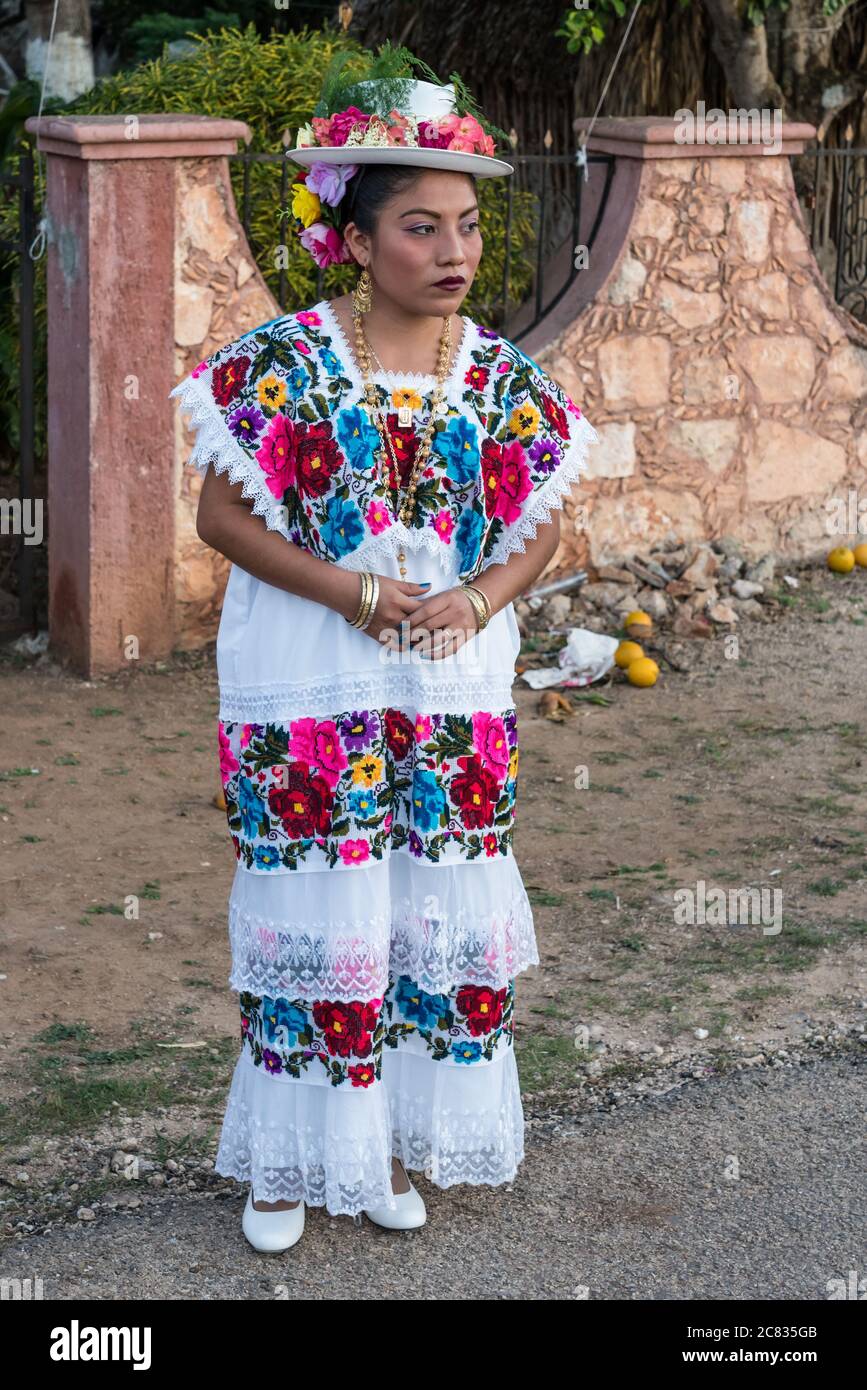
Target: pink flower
(276, 454)
(443, 524)
(318, 742)
(515, 482)
(228, 761)
(197, 371)
(325, 245)
(430, 136)
(307, 316)
(341, 123)
(302, 346)
(502, 367)
(354, 851)
(572, 407)
(378, 517)
(246, 734)
(491, 743)
(386, 824)
(422, 728)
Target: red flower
(482, 1006)
(317, 458)
(492, 472)
(227, 380)
(555, 415)
(347, 1027)
(399, 733)
(361, 1075)
(405, 442)
(477, 377)
(475, 792)
(304, 804)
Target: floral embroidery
(354, 788)
(342, 1042)
(289, 402)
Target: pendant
(404, 416)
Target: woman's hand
(448, 618)
(397, 600)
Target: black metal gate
(836, 209)
(19, 272)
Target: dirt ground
(741, 771)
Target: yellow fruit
(841, 560)
(642, 671)
(860, 553)
(638, 624)
(626, 652)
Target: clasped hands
(408, 619)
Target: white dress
(377, 917)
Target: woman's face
(428, 233)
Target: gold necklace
(363, 351)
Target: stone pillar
(728, 388)
(145, 257)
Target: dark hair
(374, 186)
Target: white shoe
(406, 1216)
(272, 1230)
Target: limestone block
(193, 305)
(768, 295)
(689, 308)
(750, 227)
(791, 462)
(613, 456)
(635, 370)
(654, 219)
(636, 521)
(712, 443)
(628, 282)
(782, 368)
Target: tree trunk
(70, 63)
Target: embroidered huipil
(371, 794)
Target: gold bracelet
(364, 605)
(374, 599)
(481, 603)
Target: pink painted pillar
(111, 364)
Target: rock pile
(693, 590)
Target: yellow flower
(513, 763)
(271, 392)
(404, 395)
(524, 420)
(368, 771)
(305, 204)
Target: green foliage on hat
(395, 70)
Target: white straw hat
(425, 102)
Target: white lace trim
(395, 684)
(349, 960)
(331, 1146)
(215, 446)
(540, 505)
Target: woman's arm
(502, 583)
(225, 522)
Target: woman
(415, 463)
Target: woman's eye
(425, 226)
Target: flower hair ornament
(383, 115)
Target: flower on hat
(329, 180)
(325, 244)
(306, 136)
(305, 204)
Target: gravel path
(632, 1203)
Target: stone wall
(728, 389)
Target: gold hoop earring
(362, 295)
